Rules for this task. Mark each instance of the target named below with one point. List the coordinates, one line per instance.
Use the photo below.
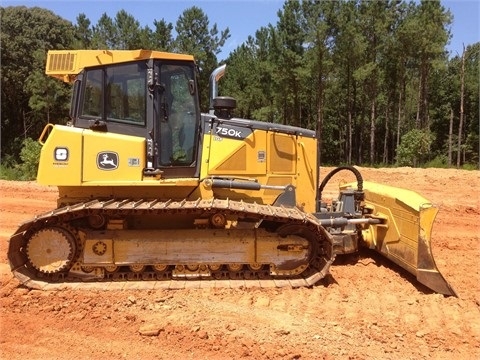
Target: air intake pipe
(215, 76)
(220, 106)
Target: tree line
(372, 77)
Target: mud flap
(404, 234)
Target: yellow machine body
(70, 158)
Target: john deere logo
(107, 160)
(60, 154)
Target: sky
(242, 17)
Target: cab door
(176, 121)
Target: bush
(27, 169)
(471, 166)
(30, 155)
(9, 172)
(8, 168)
(414, 146)
(440, 161)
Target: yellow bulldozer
(152, 192)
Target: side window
(122, 98)
(93, 97)
(126, 93)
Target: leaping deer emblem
(108, 161)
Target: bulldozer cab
(149, 95)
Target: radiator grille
(61, 62)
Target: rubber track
(116, 207)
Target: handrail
(45, 130)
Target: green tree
(468, 151)
(49, 98)
(472, 104)
(239, 80)
(121, 33)
(289, 67)
(162, 38)
(195, 37)
(83, 32)
(26, 34)
(249, 77)
(432, 36)
(127, 31)
(319, 25)
(103, 34)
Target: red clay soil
(370, 309)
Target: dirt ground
(370, 309)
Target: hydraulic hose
(336, 170)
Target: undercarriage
(173, 241)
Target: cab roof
(67, 64)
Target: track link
(125, 278)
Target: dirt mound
(369, 309)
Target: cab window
(126, 93)
(178, 117)
(117, 94)
(93, 95)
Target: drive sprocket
(51, 250)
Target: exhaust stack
(215, 77)
(220, 106)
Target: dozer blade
(404, 235)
